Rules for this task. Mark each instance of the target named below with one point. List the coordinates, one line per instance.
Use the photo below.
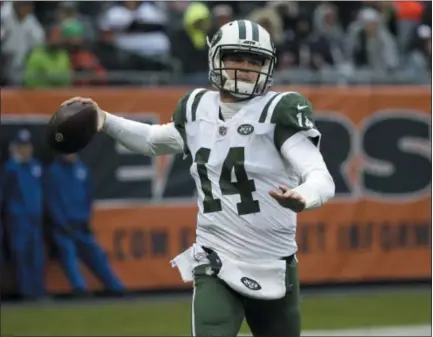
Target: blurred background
(51, 44)
(86, 239)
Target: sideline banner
(376, 143)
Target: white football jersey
(236, 163)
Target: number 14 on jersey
(244, 187)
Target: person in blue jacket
(21, 196)
(69, 203)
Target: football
(72, 127)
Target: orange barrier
(375, 229)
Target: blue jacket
(21, 191)
(68, 193)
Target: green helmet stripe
(242, 30)
(255, 28)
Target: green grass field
(165, 318)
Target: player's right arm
(150, 140)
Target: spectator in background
(86, 66)
(327, 38)
(370, 44)
(49, 65)
(296, 50)
(21, 32)
(327, 25)
(189, 44)
(388, 13)
(21, 197)
(69, 203)
(347, 11)
(68, 10)
(323, 54)
(115, 59)
(178, 6)
(409, 14)
(288, 12)
(139, 27)
(269, 19)
(222, 14)
(175, 10)
(240, 8)
(419, 58)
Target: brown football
(72, 127)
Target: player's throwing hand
(288, 199)
(101, 113)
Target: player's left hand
(288, 199)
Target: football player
(256, 164)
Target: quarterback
(256, 164)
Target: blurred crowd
(63, 43)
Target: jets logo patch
(250, 283)
(245, 129)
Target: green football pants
(219, 311)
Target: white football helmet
(247, 37)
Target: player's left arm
(298, 140)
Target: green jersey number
(243, 186)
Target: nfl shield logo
(222, 130)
